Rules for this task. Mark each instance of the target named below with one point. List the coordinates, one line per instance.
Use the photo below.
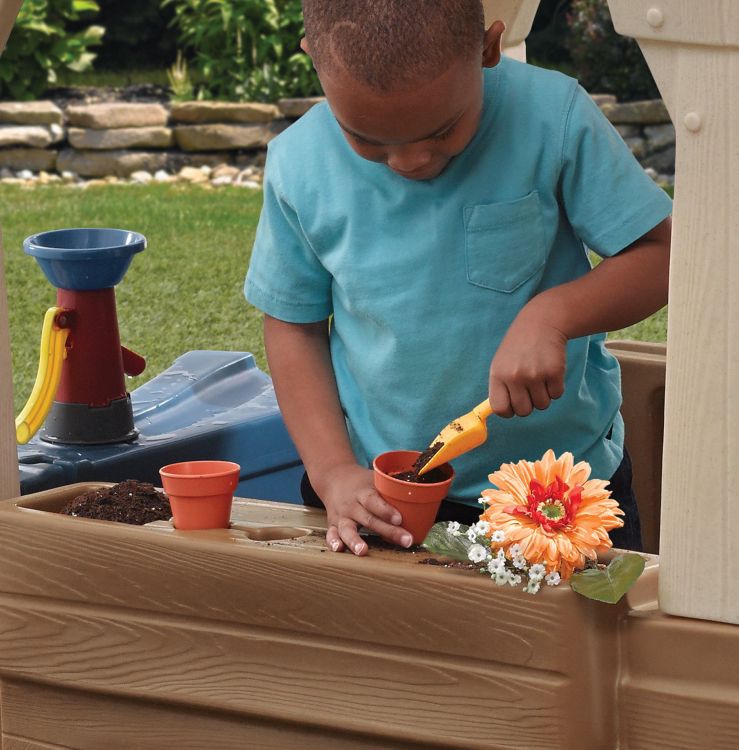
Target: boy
(421, 247)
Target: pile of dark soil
(127, 502)
(140, 93)
(430, 477)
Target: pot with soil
(416, 498)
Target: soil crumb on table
(131, 502)
(449, 563)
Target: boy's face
(416, 132)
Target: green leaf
(611, 584)
(441, 542)
(81, 6)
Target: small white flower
(498, 537)
(495, 566)
(537, 571)
(481, 500)
(519, 562)
(514, 580)
(532, 587)
(500, 555)
(553, 579)
(477, 553)
(515, 550)
(482, 528)
(453, 528)
(471, 534)
(501, 578)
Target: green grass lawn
(183, 293)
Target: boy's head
(404, 79)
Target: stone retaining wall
(121, 139)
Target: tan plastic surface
(9, 486)
(8, 12)
(283, 643)
(643, 384)
(693, 51)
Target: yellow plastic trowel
(463, 434)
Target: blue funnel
(84, 259)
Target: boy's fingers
(393, 534)
(350, 536)
(500, 399)
(556, 386)
(333, 540)
(520, 400)
(378, 507)
(539, 395)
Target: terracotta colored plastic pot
(417, 503)
(200, 493)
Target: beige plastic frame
(693, 50)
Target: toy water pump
(80, 395)
(207, 405)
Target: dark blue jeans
(627, 537)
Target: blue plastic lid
(84, 259)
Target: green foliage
(243, 50)
(609, 584)
(42, 42)
(138, 34)
(179, 80)
(440, 542)
(605, 61)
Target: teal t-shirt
(423, 279)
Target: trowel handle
(483, 410)
(133, 364)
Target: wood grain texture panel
(98, 722)
(437, 702)
(701, 458)
(9, 486)
(443, 611)
(11, 742)
(679, 689)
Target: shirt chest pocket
(505, 244)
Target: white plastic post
(518, 16)
(693, 51)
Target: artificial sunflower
(553, 511)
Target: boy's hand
(349, 494)
(528, 370)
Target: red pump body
(93, 372)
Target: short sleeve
(609, 199)
(285, 278)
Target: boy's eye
(446, 134)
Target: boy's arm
(528, 369)
(300, 365)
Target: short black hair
(388, 44)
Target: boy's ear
(492, 45)
(305, 47)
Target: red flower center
(553, 507)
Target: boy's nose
(408, 159)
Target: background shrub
(43, 40)
(241, 50)
(138, 34)
(604, 61)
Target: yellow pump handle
(53, 353)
